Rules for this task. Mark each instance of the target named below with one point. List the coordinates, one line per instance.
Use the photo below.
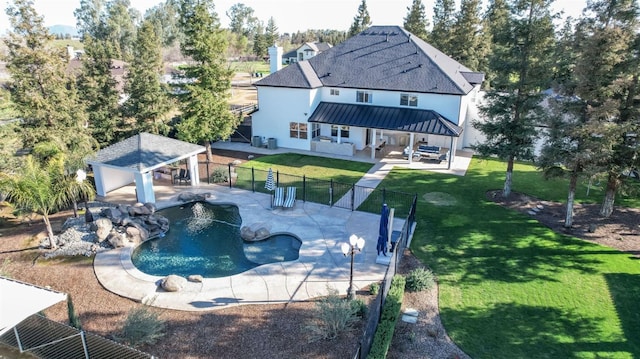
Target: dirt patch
(439, 199)
(621, 230)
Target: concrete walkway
(321, 229)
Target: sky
(289, 15)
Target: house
(382, 86)
(305, 52)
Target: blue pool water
(205, 239)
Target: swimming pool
(204, 239)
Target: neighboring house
(383, 84)
(305, 52)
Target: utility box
(272, 143)
(256, 141)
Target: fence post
(304, 188)
(253, 180)
(277, 178)
(331, 192)
(229, 172)
(353, 196)
(384, 196)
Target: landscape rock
(117, 240)
(262, 233)
(104, 226)
(247, 233)
(197, 278)
(173, 283)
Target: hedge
(388, 319)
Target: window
(315, 130)
(298, 130)
(408, 100)
(344, 131)
(335, 92)
(364, 96)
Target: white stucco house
(305, 52)
(382, 85)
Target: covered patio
(135, 159)
(379, 122)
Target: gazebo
(135, 159)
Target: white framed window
(298, 130)
(344, 131)
(334, 92)
(315, 130)
(364, 96)
(408, 100)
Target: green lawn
(512, 288)
(251, 66)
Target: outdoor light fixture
(355, 245)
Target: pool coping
(321, 264)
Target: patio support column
(411, 135)
(452, 151)
(193, 170)
(99, 181)
(339, 139)
(144, 187)
(373, 144)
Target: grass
(251, 66)
(512, 288)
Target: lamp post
(355, 245)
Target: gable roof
(145, 151)
(382, 58)
(385, 118)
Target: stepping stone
(540, 206)
(409, 319)
(410, 311)
(532, 213)
(535, 209)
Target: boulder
(197, 278)
(103, 228)
(151, 207)
(173, 283)
(137, 235)
(117, 240)
(139, 211)
(247, 233)
(262, 233)
(186, 197)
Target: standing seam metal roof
(385, 118)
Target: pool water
(205, 239)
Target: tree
(90, 18)
(361, 21)
(42, 93)
(164, 18)
(98, 90)
(205, 111)
(148, 102)
(468, 45)
(271, 32)
(43, 188)
(443, 20)
(416, 21)
(242, 20)
(121, 28)
(259, 42)
(496, 27)
(607, 70)
(513, 107)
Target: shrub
(219, 174)
(333, 316)
(142, 326)
(359, 307)
(74, 320)
(374, 288)
(388, 319)
(420, 279)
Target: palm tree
(44, 188)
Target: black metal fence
(327, 192)
(45, 338)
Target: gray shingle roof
(145, 151)
(381, 58)
(385, 118)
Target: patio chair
(183, 175)
(290, 200)
(278, 197)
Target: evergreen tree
(607, 71)
(416, 21)
(361, 21)
(522, 62)
(271, 32)
(205, 111)
(242, 20)
(443, 20)
(121, 28)
(467, 42)
(260, 42)
(164, 18)
(496, 29)
(148, 103)
(43, 95)
(99, 94)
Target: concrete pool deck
(321, 265)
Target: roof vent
(419, 65)
(409, 38)
(387, 40)
(328, 73)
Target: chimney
(275, 58)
